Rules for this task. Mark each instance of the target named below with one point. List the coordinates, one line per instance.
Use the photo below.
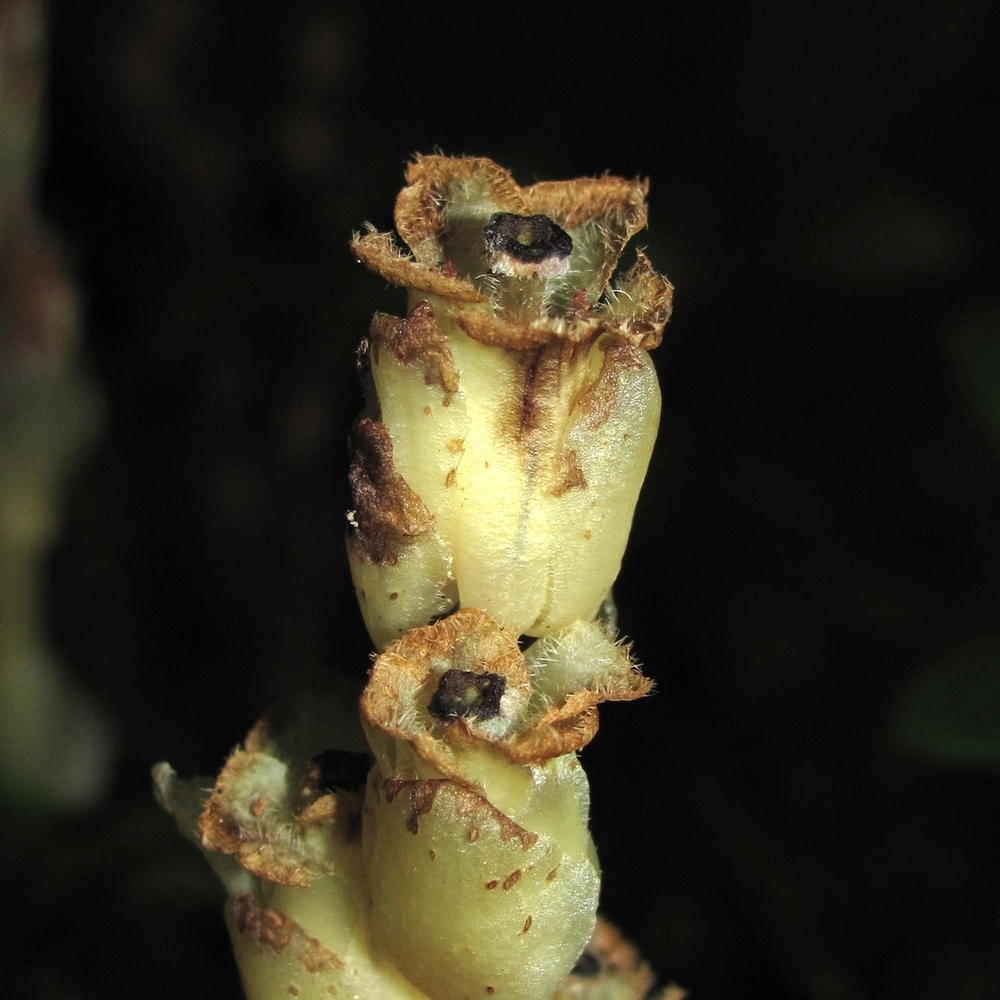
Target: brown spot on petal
(511, 880)
(597, 403)
(569, 475)
(388, 513)
(463, 803)
(278, 931)
(422, 795)
(417, 343)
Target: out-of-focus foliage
(974, 345)
(948, 713)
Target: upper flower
(470, 228)
(513, 409)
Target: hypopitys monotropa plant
(509, 422)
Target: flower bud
(513, 410)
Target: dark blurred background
(808, 806)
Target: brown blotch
(278, 931)
(417, 343)
(455, 445)
(449, 480)
(490, 989)
(568, 473)
(586, 534)
(394, 596)
(258, 807)
(472, 834)
(422, 795)
(389, 514)
(552, 874)
(427, 411)
(433, 855)
(527, 925)
(293, 990)
(600, 399)
(511, 880)
(493, 883)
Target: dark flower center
(467, 695)
(531, 240)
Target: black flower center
(467, 695)
(525, 243)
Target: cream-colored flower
(462, 867)
(513, 409)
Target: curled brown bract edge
(226, 827)
(404, 677)
(604, 211)
(436, 182)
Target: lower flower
(459, 863)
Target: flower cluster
(509, 423)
